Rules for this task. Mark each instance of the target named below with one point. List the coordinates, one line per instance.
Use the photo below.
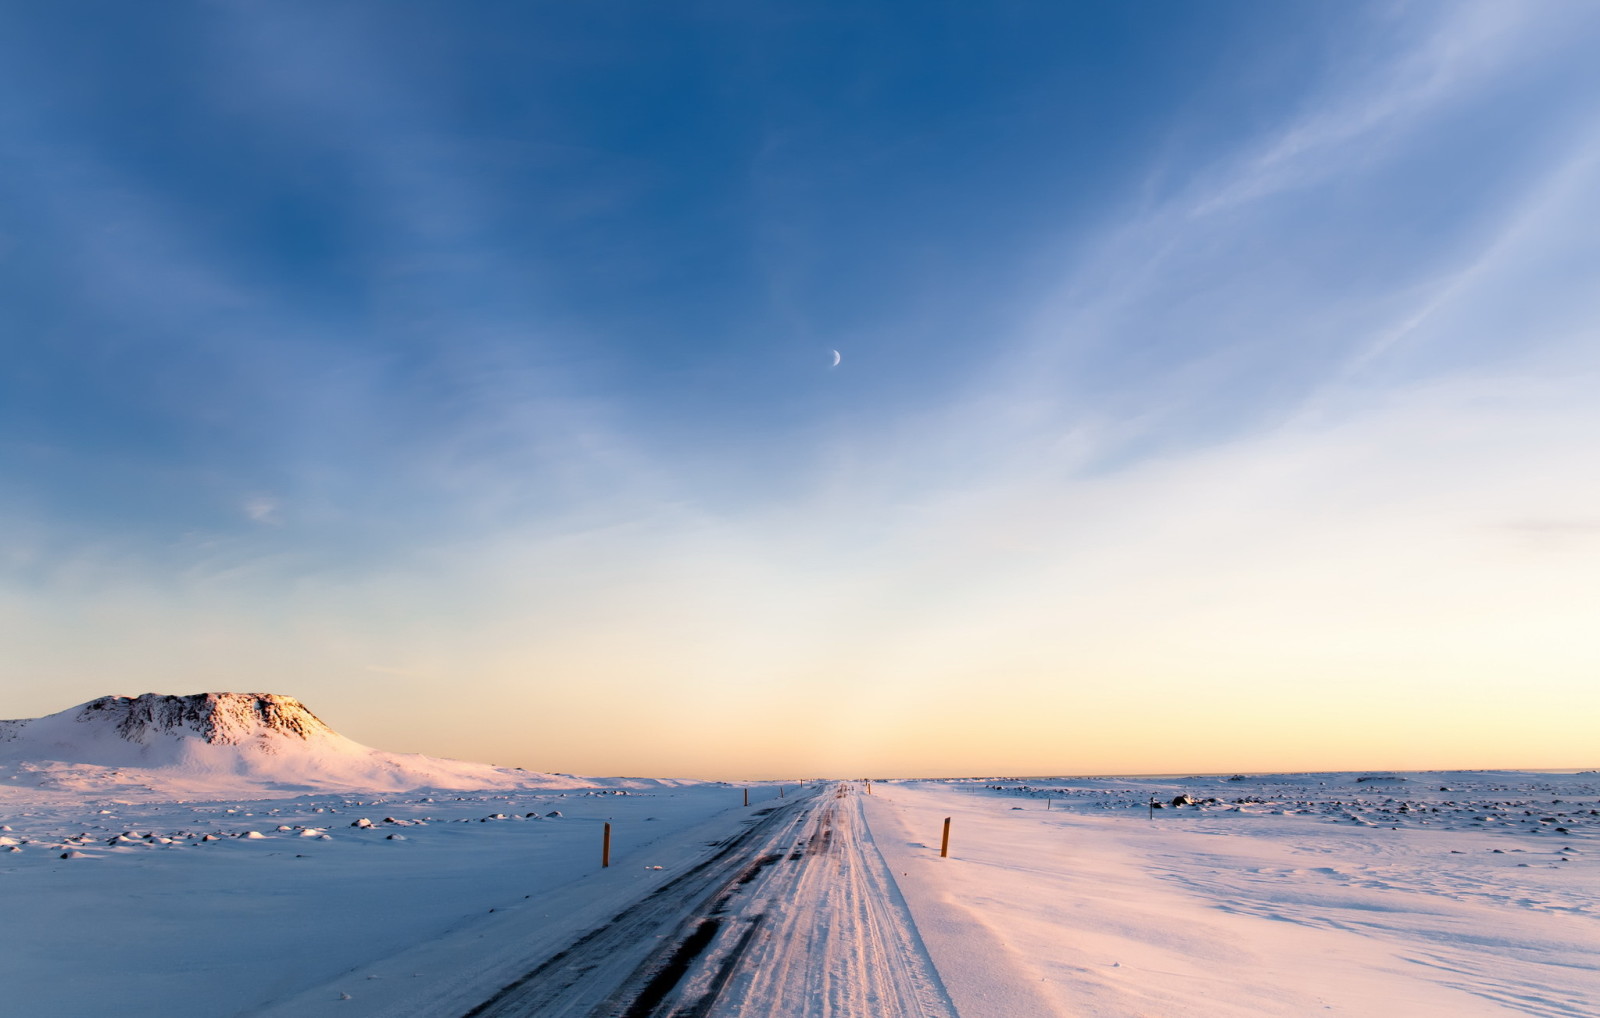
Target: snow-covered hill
(219, 744)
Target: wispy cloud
(1241, 299)
(1424, 61)
(263, 509)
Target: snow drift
(218, 744)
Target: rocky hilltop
(227, 718)
(217, 743)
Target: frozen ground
(1291, 895)
(145, 916)
(1435, 894)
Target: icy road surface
(797, 915)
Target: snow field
(1227, 911)
(227, 926)
(1461, 895)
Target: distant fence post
(944, 846)
(747, 797)
(605, 848)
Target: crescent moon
(836, 358)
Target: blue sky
(406, 354)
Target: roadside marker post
(605, 848)
(944, 846)
(747, 797)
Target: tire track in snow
(612, 969)
(797, 917)
(835, 939)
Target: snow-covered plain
(215, 854)
(1459, 894)
(144, 916)
(208, 854)
(1287, 895)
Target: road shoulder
(984, 974)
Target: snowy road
(836, 938)
(796, 915)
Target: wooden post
(944, 846)
(605, 848)
(1047, 805)
(780, 791)
(747, 797)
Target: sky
(1216, 384)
